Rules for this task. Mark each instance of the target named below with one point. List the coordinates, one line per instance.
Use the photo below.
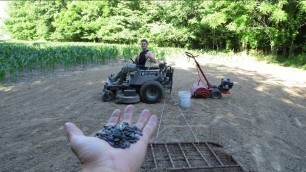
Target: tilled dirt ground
(261, 124)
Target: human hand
(97, 155)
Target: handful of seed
(120, 135)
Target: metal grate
(188, 156)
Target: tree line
(269, 26)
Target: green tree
(31, 20)
(269, 26)
(80, 21)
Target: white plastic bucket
(184, 99)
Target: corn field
(18, 57)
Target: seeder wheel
(216, 94)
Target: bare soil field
(261, 124)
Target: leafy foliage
(277, 27)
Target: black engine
(226, 84)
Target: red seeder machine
(199, 89)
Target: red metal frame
(198, 65)
(200, 89)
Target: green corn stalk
(129, 52)
(17, 57)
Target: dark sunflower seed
(120, 135)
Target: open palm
(97, 155)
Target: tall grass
(18, 57)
